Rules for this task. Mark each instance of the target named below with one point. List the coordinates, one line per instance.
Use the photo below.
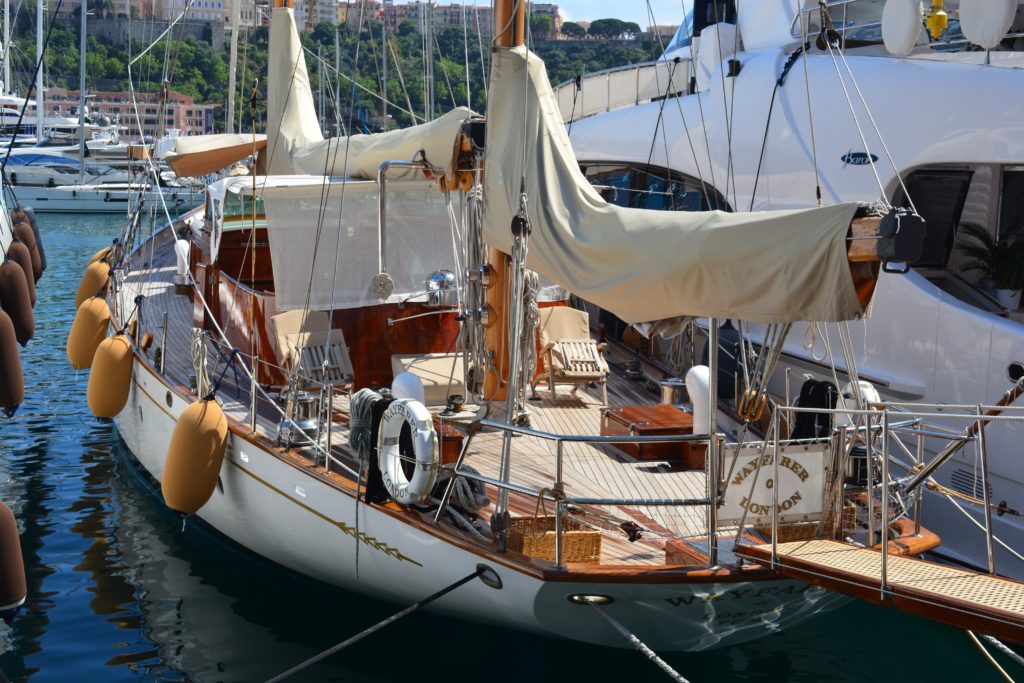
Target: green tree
(571, 29)
(541, 26)
(606, 28)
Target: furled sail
(642, 265)
(295, 144)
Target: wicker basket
(800, 531)
(535, 536)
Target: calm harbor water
(119, 590)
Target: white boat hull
(272, 508)
(86, 199)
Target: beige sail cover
(772, 266)
(295, 143)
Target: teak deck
(590, 471)
(959, 597)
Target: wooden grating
(956, 596)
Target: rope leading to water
(639, 645)
(480, 570)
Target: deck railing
(623, 86)
(554, 493)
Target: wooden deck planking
(960, 597)
(588, 470)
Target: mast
(320, 85)
(81, 93)
(236, 15)
(7, 46)
(509, 25)
(337, 90)
(428, 61)
(39, 74)
(384, 79)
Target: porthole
(1015, 371)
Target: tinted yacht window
(641, 187)
(939, 196)
(1011, 205)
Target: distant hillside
(193, 67)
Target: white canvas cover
(308, 222)
(642, 265)
(295, 144)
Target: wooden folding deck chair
(302, 345)
(570, 355)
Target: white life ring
(410, 412)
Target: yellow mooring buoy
(194, 456)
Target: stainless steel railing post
(918, 494)
(163, 346)
(869, 448)
(986, 495)
(775, 490)
(558, 535)
(885, 503)
(254, 393)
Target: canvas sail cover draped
(642, 265)
(295, 144)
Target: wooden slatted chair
(302, 345)
(570, 355)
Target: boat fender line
(195, 456)
(486, 574)
(111, 378)
(12, 382)
(13, 588)
(88, 331)
(360, 434)
(94, 281)
(15, 301)
(401, 413)
(375, 490)
(23, 231)
(596, 601)
(101, 255)
(18, 252)
(30, 215)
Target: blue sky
(665, 11)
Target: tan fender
(94, 282)
(23, 231)
(194, 457)
(12, 384)
(87, 332)
(111, 376)
(15, 301)
(19, 253)
(13, 588)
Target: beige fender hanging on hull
(15, 301)
(23, 231)
(94, 282)
(194, 456)
(19, 253)
(111, 376)
(13, 589)
(87, 332)
(12, 384)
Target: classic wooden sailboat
(339, 372)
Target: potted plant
(1002, 262)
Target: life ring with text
(406, 489)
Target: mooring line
(483, 572)
(639, 644)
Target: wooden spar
(290, 4)
(509, 31)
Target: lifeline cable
(379, 625)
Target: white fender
(902, 22)
(986, 22)
(698, 385)
(868, 394)
(404, 490)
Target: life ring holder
(409, 412)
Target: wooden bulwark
(959, 597)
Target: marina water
(120, 589)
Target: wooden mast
(509, 31)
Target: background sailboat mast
(83, 11)
(40, 9)
(7, 46)
(509, 31)
(384, 79)
(236, 15)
